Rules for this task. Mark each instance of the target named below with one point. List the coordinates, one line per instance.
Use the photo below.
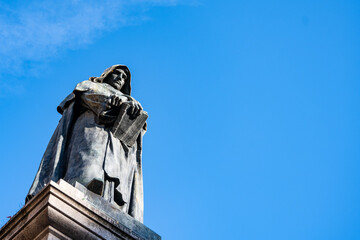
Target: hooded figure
(83, 149)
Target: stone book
(126, 128)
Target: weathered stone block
(61, 211)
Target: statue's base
(61, 211)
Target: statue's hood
(126, 89)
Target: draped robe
(84, 150)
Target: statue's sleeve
(98, 103)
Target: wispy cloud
(37, 30)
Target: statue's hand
(135, 108)
(115, 101)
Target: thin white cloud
(38, 30)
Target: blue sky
(254, 108)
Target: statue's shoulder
(80, 87)
(87, 85)
(96, 87)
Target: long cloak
(83, 149)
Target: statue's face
(116, 78)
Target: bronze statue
(98, 142)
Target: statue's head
(118, 76)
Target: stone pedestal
(61, 211)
